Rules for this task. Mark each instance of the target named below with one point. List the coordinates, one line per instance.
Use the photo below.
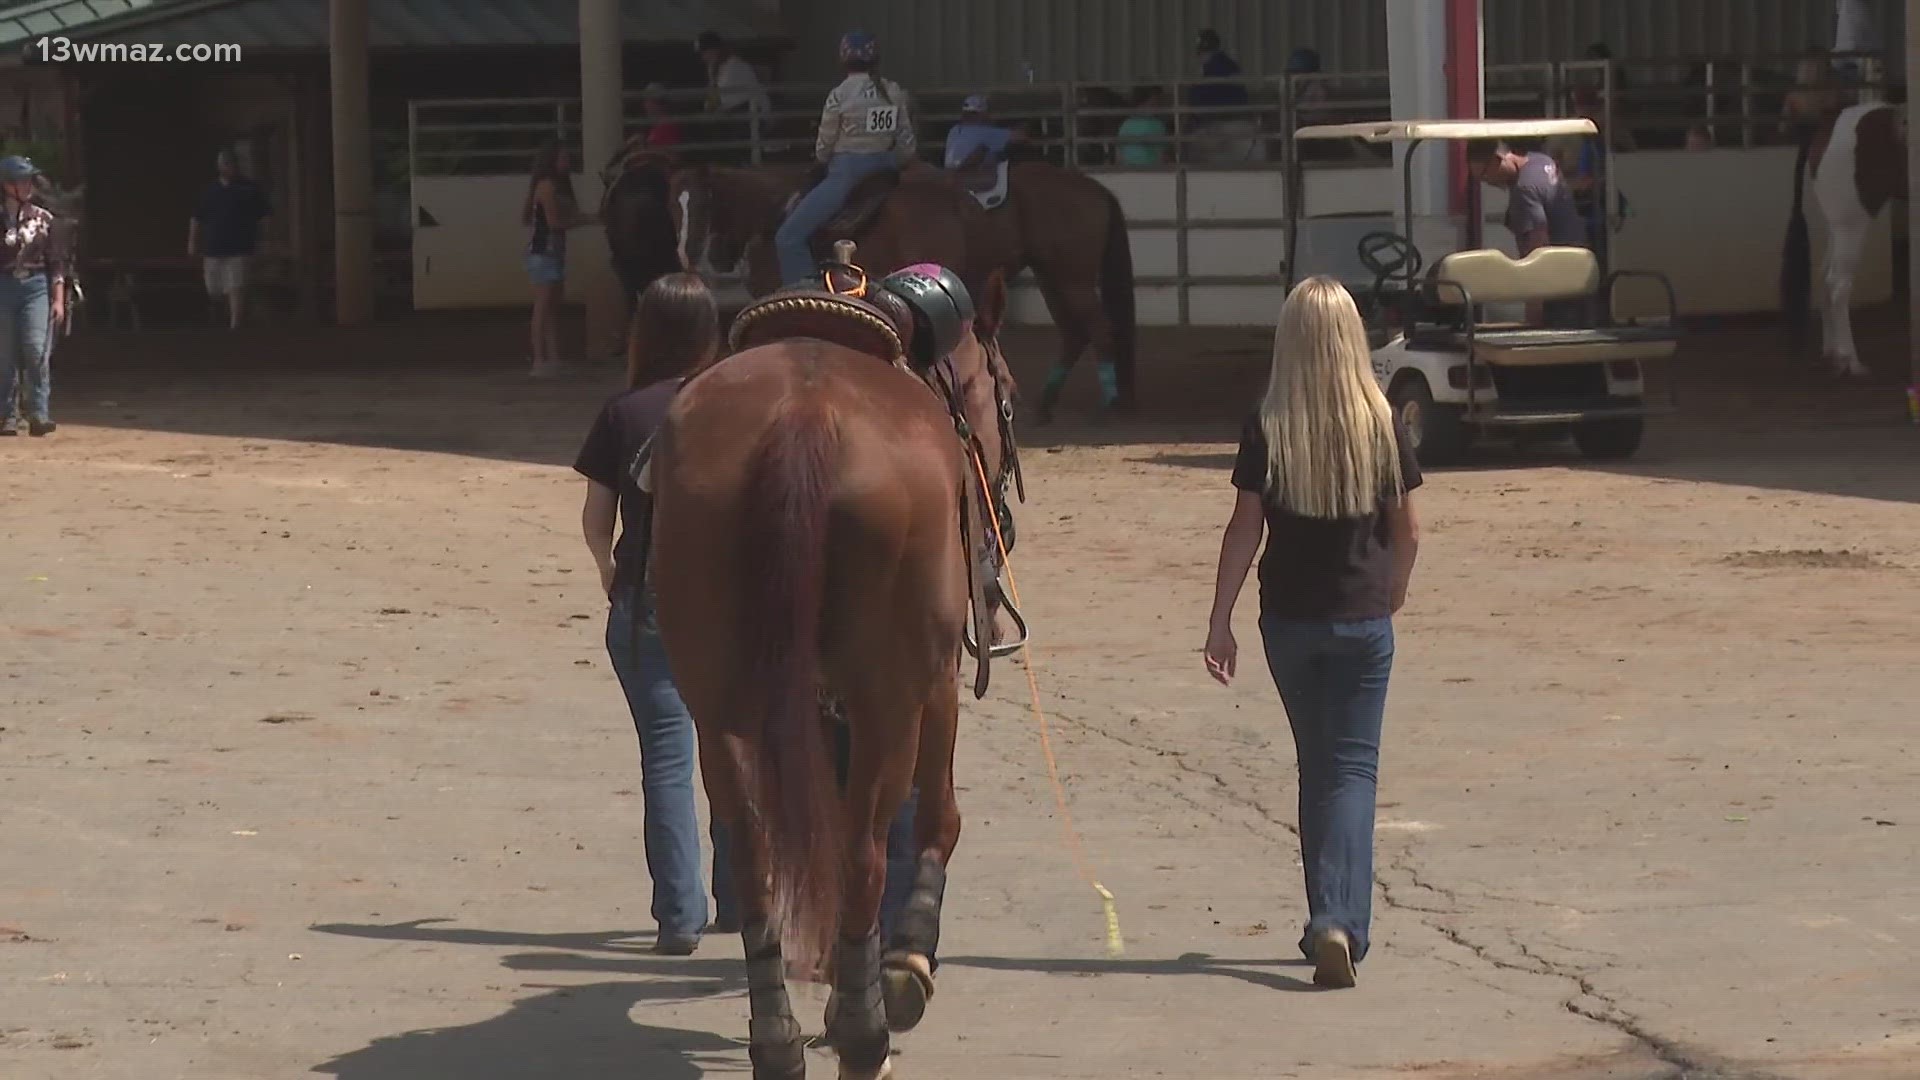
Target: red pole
(1465, 100)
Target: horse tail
(1796, 259)
(787, 510)
(1116, 286)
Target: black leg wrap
(918, 927)
(856, 1015)
(773, 1035)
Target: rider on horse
(865, 128)
(976, 140)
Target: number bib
(883, 119)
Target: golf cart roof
(1389, 131)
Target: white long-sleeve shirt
(736, 84)
(860, 119)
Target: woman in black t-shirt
(675, 331)
(1328, 473)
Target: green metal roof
(22, 22)
(403, 24)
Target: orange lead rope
(1115, 944)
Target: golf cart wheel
(1611, 439)
(1439, 432)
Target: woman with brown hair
(549, 210)
(1328, 473)
(675, 332)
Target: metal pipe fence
(1642, 104)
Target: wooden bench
(1473, 278)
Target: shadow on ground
(1751, 414)
(568, 1031)
(574, 1031)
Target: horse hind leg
(877, 776)
(856, 1018)
(1074, 340)
(913, 954)
(774, 1044)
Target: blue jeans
(668, 751)
(792, 240)
(1332, 677)
(25, 342)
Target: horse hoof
(906, 985)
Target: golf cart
(1453, 372)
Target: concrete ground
(311, 762)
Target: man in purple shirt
(1540, 209)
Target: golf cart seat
(1471, 278)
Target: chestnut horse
(1855, 163)
(809, 563)
(1062, 224)
(722, 215)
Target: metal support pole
(352, 164)
(602, 124)
(1913, 249)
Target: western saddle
(845, 311)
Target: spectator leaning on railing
(733, 89)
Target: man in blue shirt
(1221, 136)
(225, 231)
(1215, 64)
(976, 140)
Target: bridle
(997, 538)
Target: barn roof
(276, 25)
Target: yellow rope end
(1115, 946)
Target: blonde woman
(1328, 473)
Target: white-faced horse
(1856, 164)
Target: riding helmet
(975, 103)
(859, 47)
(942, 308)
(15, 167)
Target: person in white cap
(976, 140)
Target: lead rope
(1115, 944)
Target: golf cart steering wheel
(1390, 257)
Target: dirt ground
(311, 762)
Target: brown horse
(726, 214)
(1062, 224)
(810, 565)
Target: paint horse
(1062, 224)
(823, 509)
(1855, 163)
(635, 216)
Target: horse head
(979, 383)
(719, 211)
(690, 201)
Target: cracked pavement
(315, 767)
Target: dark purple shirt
(1334, 569)
(1541, 199)
(624, 425)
